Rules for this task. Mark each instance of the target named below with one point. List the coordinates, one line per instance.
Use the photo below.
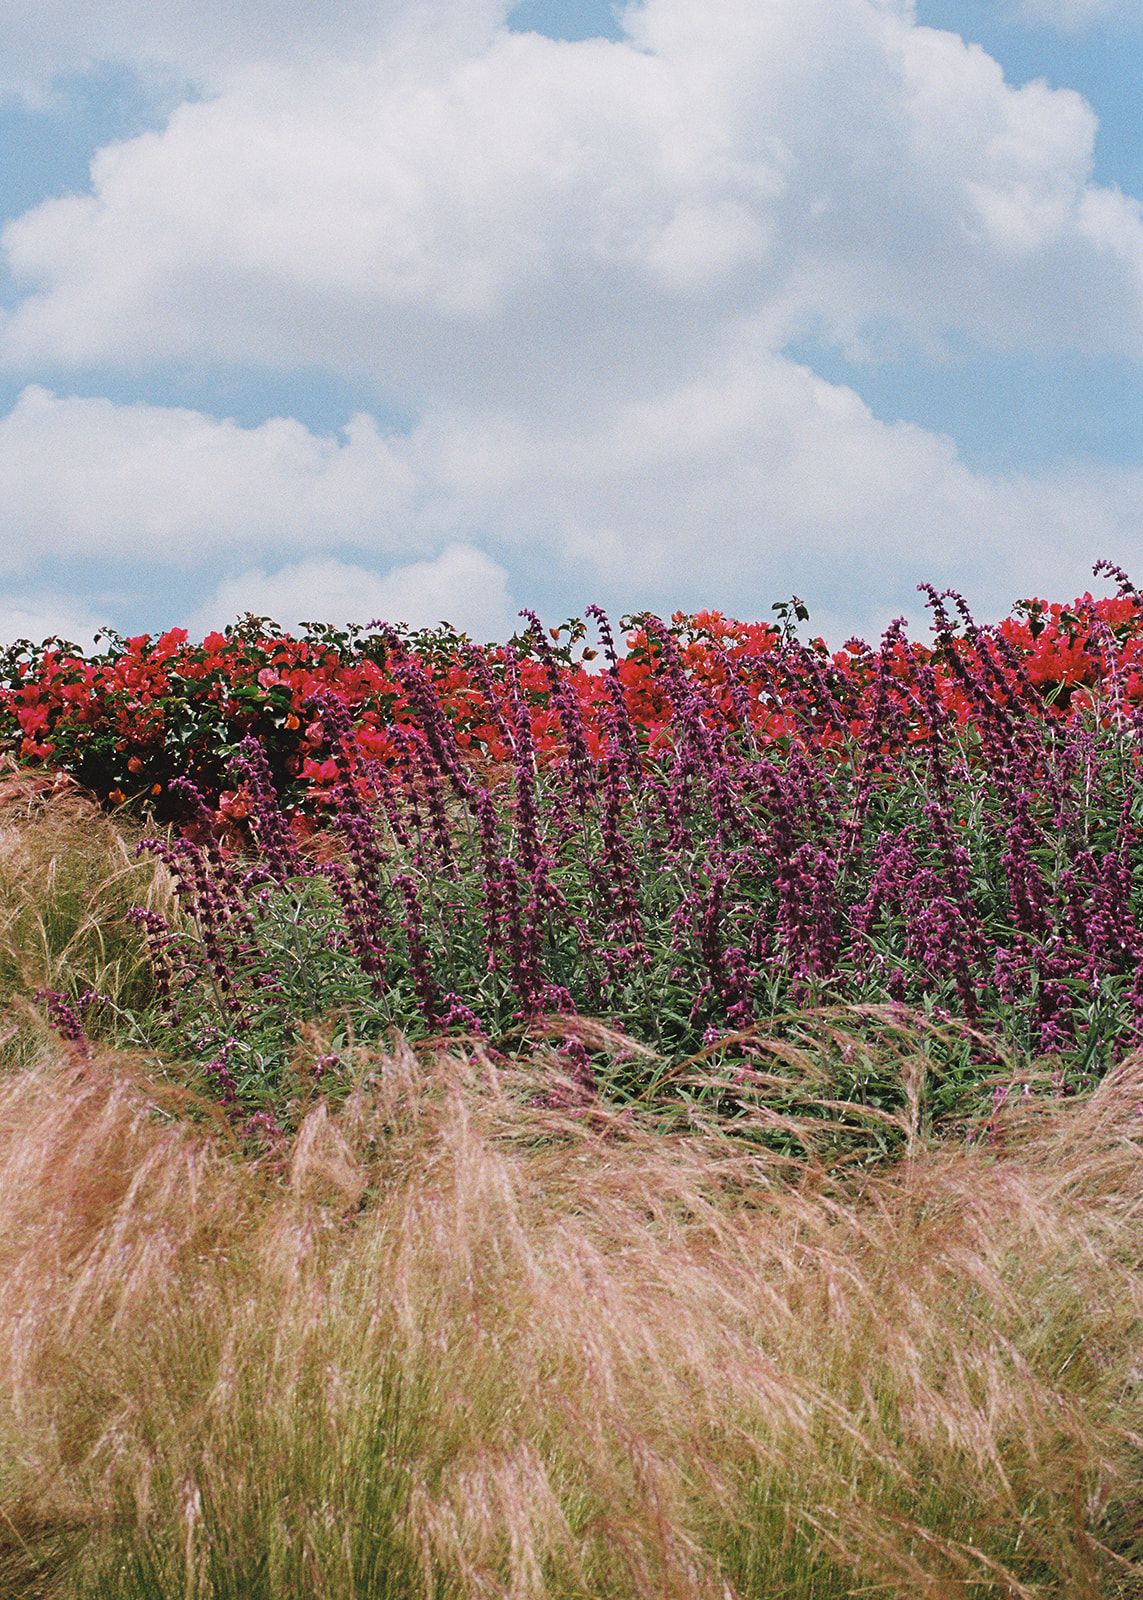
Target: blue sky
(435, 308)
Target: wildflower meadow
(648, 1108)
(719, 827)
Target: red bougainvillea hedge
(129, 718)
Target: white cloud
(40, 616)
(462, 586)
(88, 477)
(575, 266)
(756, 477)
(207, 41)
(747, 479)
(528, 220)
(1074, 15)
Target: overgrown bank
(471, 1179)
(454, 1342)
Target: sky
(428, 309)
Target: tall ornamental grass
(70, 883)
(450, 1340)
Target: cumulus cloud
(89, 477)
(575, 268)
(1074, 15)
(746, 480)
(462, 586)
(43, 616)
(207, 41)
(526, 220)
(757, 477)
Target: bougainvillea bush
(128, 719)
(379, 830)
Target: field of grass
(470, 1330)
(452, 1342)
(480, 1128)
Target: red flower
(318, 772)
(33, 718)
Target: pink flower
(318, 771)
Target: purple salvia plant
(420, 961)
(364, 923)
(524, 771)
(432, 720)
(580, 769)
(65, 1017)
(276, 843)
(622, 727)
(478, 665)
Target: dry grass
(68, 875)
(451, 1342)
(454, 1341)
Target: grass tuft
(453, 1339)
(68, 877)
